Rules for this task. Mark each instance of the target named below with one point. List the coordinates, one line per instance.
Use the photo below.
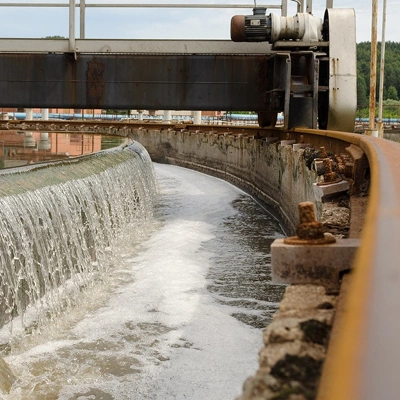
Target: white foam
(161, 335)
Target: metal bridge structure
(302, 66)
(273, 64)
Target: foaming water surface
(174, 297)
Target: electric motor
(271, 28)
(251, 28)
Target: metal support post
(29, 140)
(29, 114)
(167, 116)
(197, 117)
(82, 16)
(284, 8)
(44, 143)
(329, 3)
(287, 93)
(72, 47)
(315, 94)
(45, 114)
(374, 50)
(382, 73)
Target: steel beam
(139, 5)
(161, 82)
(132, 46)
(82, 19)
(284, 8)
(71, 46)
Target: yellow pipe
(344, 376)
(341, 377)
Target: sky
(168, 23)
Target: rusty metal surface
(309, 231)
(366, 357)
(364, 361)
(122, 128)
(171, 82)
(238, 28)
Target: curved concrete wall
(364, 357)
(274, 173)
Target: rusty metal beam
(170, 82)
(364, 359)
(119, 128)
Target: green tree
(392, 70)
(55, 37)
(362, 99)
(392, 93)
(391, 108)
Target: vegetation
(391, 91)
(391, 109)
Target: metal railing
(75, 45)
(82, 45)
(363, 359)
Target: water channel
(180, 313)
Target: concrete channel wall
(268, 168)
(363, 357)
(281, 173)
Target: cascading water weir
(58, 227)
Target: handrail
(81, 5)
(364, 358)
(141, 5)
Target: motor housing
(251, 28)
(260, 27)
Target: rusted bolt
(308, 227)
(309, 230)
(327, 165)
(340, 164)
(306, 212)
(323, 153)
(329, 175)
